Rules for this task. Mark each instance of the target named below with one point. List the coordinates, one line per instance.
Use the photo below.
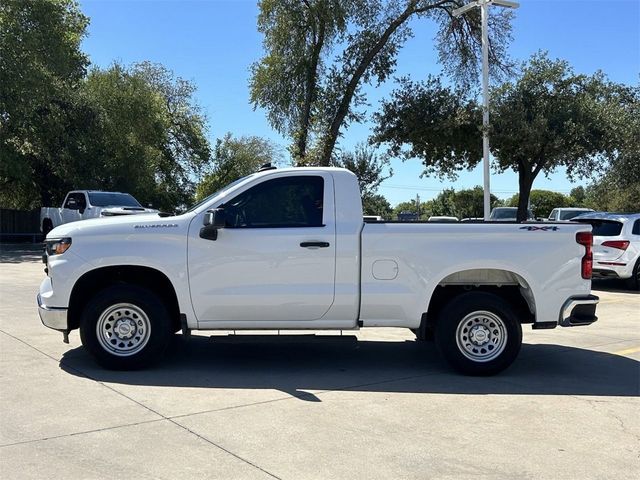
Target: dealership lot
(371, 405)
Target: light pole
(484, 14)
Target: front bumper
(52, 317)
(578, 311)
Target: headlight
(57, 246)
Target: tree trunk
(343, 108)
(525, 182)
(310, 95)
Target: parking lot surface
(374, 404)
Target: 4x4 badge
(532, 228)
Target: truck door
(274, 259)
(73, 207)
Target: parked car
(288, 249)
(507, 214)
(563, 214)
(85, 204)
(616, 245)
(442, 218)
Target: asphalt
(372, 405)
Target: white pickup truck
(288, 249)
(85, 204)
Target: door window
(286, 202)
(75, 201)
(636, 228)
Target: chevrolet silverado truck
(85, 204)
(288, 249)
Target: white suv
(616, 245)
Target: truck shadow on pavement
(20, 252)
(293, 364)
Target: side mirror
(213, 220)
(81, 210)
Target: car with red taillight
(616, 245)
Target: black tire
(47, 226)
(478, 333)
(633, 283)
(125, 327)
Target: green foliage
(150, 137)
(549, 117)
(234, 158)
(375, 204)
(618, 189)
(440, 125)
(412, 206)
(607, 195)
(41, 66)
(578, 196)
(131, 129)
(466, 203)
(368, 166)
(543, 201)
(320, 53)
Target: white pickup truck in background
(288, 249)
(85, 204)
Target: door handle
(314, 244)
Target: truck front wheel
(478, 333)
(125, 327)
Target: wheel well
(444, 293)
(96, 280)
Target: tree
(367, 165)
(377, 205)
(543, 201)
(548, 118)
(577, 196)
(438, 124)
(308, 85)
(150, 137)
(413, 206)
(469, 203)
(618, 188)
(234, 158)
(41, 67)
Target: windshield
(569, 214)
(107, 199)
(215, 194)
(508, 213)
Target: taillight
(620, 244)
(586, 239)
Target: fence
(20, 225)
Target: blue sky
(213, 43)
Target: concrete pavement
(372, 405)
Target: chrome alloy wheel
(481, 336)
(123, 329)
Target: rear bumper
(578, 311)
(55, 318)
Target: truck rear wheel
(125, 327)
(478, 333)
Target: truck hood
(121, 224)
(113, 211)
